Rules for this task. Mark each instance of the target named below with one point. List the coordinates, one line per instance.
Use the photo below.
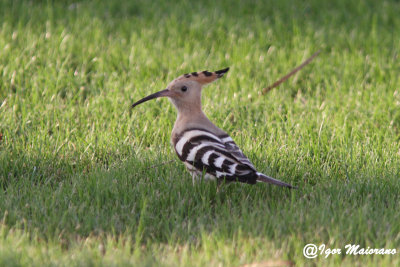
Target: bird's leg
(193, 177)
(218, 186)
(220, 183)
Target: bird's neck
(196, 119)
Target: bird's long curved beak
(161, 93)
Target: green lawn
(76, 187)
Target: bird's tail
(266, 179)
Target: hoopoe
(204, 148)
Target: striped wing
(216, 155)
(231, 146)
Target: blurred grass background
(75, 183)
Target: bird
(207, 151)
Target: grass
(75, 183)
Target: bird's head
(185, 91)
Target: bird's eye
(184, 89)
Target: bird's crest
(203, 77)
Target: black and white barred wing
(231, 146)
(208, 152)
